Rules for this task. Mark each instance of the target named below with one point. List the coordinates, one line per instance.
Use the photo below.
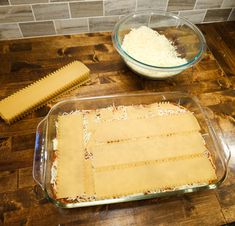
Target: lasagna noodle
(89, 180)
(70, 170)
(147, 149)
(134, 128)
(43, 90)
(151, 177)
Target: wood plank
(220, 47)
(15, 160)
(8, 181)
(25, 177)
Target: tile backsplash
(32, 18)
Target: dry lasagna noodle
(143, 178)
(147, 149)
(70, 180)
(43, 90)
(130, 151)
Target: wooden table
(22, 202)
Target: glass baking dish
(46, 136)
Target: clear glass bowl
(46, 136)
(185, 36)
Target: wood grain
(22, 202)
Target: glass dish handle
(218, 133)
(40, 154)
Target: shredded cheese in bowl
(149, 47)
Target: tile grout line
(70, 17)
(204, 16)
(32, 21)
(53, 21)
(230, 14)
(46, 36)
(103, 7)
(33, 13)
(193, 10)
(21, 33)
(167, 2)
(195, 5)
(41, 3)
(222, 4)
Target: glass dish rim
(117, 44)
(139, 196)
